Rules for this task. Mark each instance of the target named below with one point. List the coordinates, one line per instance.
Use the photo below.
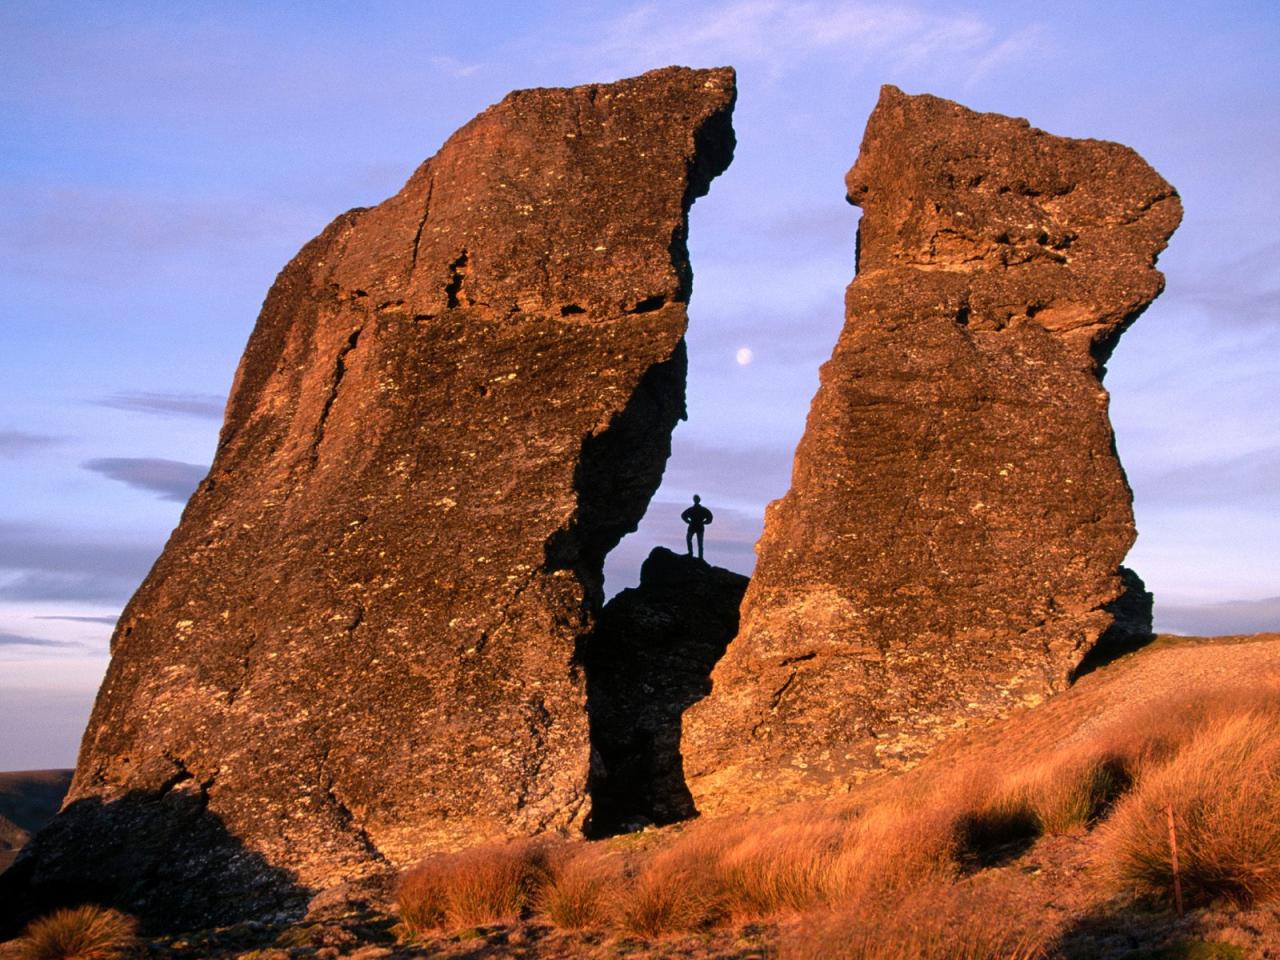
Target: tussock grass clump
(1077, 792)
(584, 889)
(87, 932)
(1066, 792)
(675, 890)
(490, 884)
(758, 866)
(1224, 790)
(779, 864)
(897, 845)
(941, 921)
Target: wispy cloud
(1231, 618)
(780, 35)
(41, 586)
(20, 640)
(34, 547)
(1239, 290)
(110, 621)
(454, 67)
(39, 563)
(1249, 480)
(724, 474)
(16, 443)
(172, 479)
(204, 405)
(1022, 44)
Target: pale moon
(743, 356)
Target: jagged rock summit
(951, 543)
(358, 645)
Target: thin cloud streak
(1240, 292)
(779, 35)
(207, 406)
(1251, 480)
(43, 564)
(1232, 618)
(35, 586)
(172, 479)
(42, 548)
(17, 443)
(20, 640)
(1024, 43)
(110, 621)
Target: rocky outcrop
(358, 646)
(648, 661)
(951, 541)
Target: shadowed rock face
(648, 661)
(951, 542)
(359, 643)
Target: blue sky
(160, 162)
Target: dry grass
(490, 884)
(672, 893)
(940, 921)
(584, 889)
(79, 933)
(925, 837)
(1224, 790)
(777, 865)
(1064, 793)
(932, 828)
(897, 845)
(760, 866)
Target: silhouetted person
(697, 517)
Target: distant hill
(28, 799)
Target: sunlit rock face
(359, 644)
(950, 546)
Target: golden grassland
(932, 863)
(898, 871)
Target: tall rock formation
(359, 644)
(951, 543)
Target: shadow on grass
(164, 858)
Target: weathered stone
(950, 544)
(649, 659)
(358, 645)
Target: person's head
(696, 498)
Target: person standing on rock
(697, 517)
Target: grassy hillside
(28, 799)
(1043, 835)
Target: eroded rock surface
(951, 542)
(648, 661)
(358, 645)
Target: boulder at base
(648, 661)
